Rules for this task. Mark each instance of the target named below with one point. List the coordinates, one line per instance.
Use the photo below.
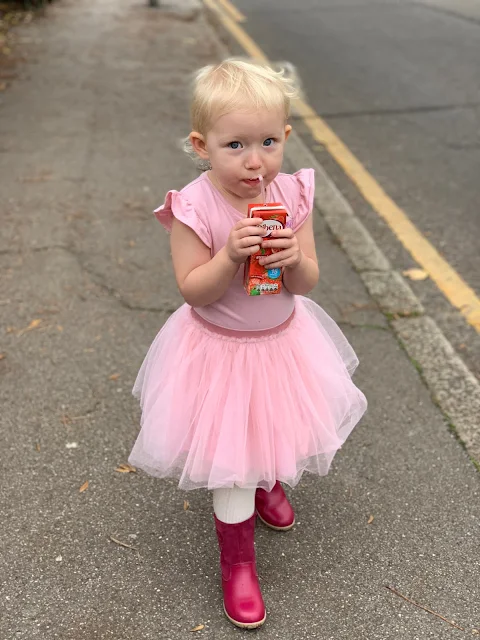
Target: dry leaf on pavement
(84, 487)
(43, 176)
(198, 628)
(126, 468)
(2, 356)
(114, 376)
(371, 519)
(34, 324)
(122, 544)
(415, 274)
(186, 505)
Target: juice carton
(259, 280)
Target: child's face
(243, 145)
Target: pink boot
(274, 509)
(242, 599)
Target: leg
(233, 505)
(235, 524)
(274, 509)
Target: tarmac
(90, 137)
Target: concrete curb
(452, 386)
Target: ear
(288, 129)
(199, 144)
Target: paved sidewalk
(89, 144)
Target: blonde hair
(235, 84)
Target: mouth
(252, 182)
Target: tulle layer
(222, 408)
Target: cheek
(275, 158)
(226, 162)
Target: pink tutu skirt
(223, 408)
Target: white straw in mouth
(264, 189)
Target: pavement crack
(463, 146)
(47, 247)
(96, 277)
(112, 292)
(360, 325)
(447, 12)
(25, 250)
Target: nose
(253, 162)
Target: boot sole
(272, 526)
(245, 625)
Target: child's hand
(244, 239)
(287, 250)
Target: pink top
(203, 208)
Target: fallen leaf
(10, 329)
(2, 356)
(186, 505)
(198, 628)
(460, 346)
(122, 544)
(415, 274)
(371, 519)
(59, 327)
(34, 324)
(132, 243)
(84, 487)
(125, 468)
(37, 447)
(134, 205)
(44, 176)
(114, 376)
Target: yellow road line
(233, 12)
(455, 289)
(237, 32)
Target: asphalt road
(399, 83)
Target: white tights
(233, 505)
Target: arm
(297, 254)
(301, 278)
(202, 279)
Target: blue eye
(234, 145)
(268, 142)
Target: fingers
(285, 258)
(279, 243)
(250, 231)
(248, 222)
(283, 233)
(280, 239)
(249, 241)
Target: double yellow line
(455, 289)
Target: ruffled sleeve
(178, 206)
(305, 182)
